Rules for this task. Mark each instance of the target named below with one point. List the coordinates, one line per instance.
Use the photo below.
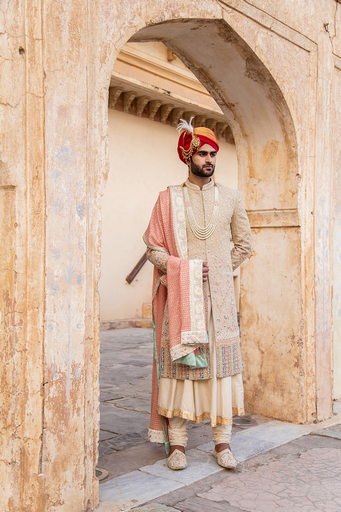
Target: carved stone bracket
(114, 94)
(188, 115)
(176, 114)
(199, 121)
(128, 98)
(165, 111)
(141, 102)
(153, 108)
(211, 124)
(229, 135)
(220, 130)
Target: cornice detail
(144, 100)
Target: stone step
(147, 310)
(124, 324)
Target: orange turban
(191, 141)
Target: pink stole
(182, 288)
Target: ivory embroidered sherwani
(191, 390)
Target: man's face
(203, 161)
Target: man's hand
(204, 272)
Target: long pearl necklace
(199, 232)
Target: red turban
(190, 142)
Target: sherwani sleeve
(158, 259)
(241, 234)
(155, 239)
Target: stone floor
(125, 381)
(302, 475)
(283, 467)
(309, 482)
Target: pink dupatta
(181, 287)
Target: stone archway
(268, 167)
(53, 187)
(267, 147)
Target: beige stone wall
(273, 70)
(135, 179)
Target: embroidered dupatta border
(195, 334)
(179, 220)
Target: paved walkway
(310, 482)
(281, 467)
(125, 380)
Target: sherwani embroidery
(222, 262)
(232, 223)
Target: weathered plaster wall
(56, 150)
(273, 343)
(68, 427)
(22, 255)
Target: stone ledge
(127, 323)
(273, 218)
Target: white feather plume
(185, 126)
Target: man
(197, 356)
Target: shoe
(177, 460)
(225, 459)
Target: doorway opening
(150, 91)
(245, 102)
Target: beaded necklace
(199, 232)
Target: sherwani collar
(192, 186)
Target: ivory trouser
(177, 432)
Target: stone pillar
(323, 226)
(336, 130)
(22, 214)
(68, 440)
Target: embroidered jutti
(197, 355)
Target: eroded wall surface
(54, 162)
(22, 260)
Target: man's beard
(200, 171)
